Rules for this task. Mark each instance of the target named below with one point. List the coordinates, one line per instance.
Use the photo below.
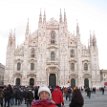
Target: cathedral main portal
(52, 80)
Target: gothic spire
(90, 38)
(14, 35)
(77, 29)
(60, 18)
(27, 28)
(40, 17)
(94, 39)
(65, 19)
(44, 18)
(10, 40)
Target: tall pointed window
(32, 52)
(72, 53)
(52, 55)
(32, 66)
(85, 66)
(72, 66)
(53, 36)
(18, 66)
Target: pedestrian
(45, 100)
(102, 89)
(1, 97)
(36, 93)
(7, 95)
(57, 96)
(68, 93)
(88, 90)
(77, 98)
(29, 97)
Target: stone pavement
(96, 100)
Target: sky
(90, 14)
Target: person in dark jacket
(7, 95)
(36, 93)
(77, 98)
(88, 90)
(1, 97)
(29, 97)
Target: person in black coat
(29, 97)
(77, 98)
(36, 93)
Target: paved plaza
(96, 100)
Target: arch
(31, 82)
(18, 81)
(18, 66)
(73, 82)
(86, 82)
(52, 80)
(53, 37)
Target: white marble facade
(52, 55)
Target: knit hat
(44, 88)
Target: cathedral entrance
(86, 82)
(52, 80)
(18, 81)
(73, 84)
(31, 82)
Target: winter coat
(29, 96)
(57, 96)
(43, 103)
(1, 96)
(77, 99)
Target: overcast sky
(91, 16)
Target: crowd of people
(43, 96)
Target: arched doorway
(18, 81)
(31, 81)
(52, 80)
(86, 82)
(73, 83)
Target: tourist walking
(29, 97)
(77, 98)
(88, 91)
(102, 89)
(1, 97)
(57, 96)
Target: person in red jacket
(57, 96)
(45, 100)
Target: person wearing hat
(45, 100)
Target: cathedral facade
(52, 55)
